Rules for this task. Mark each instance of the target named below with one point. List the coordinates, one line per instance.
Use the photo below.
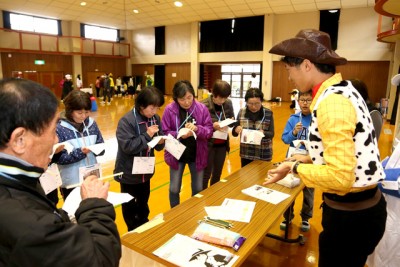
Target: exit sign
(39, 62)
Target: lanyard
(220, 114)
(88, 135)
(152, 121)
(260, 121)
(183, 123)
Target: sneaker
(305, 226)
(108, 103)
(283, 224)
(102, 102)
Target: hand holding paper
(184, 131)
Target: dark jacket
(132, 142)
(228, 114)
(33, 232)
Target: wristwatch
(294, 167)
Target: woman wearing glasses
(255, 124)
(135, 158)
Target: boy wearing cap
(343, 161)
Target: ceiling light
(83, 3)
(135, 11)
(178, 4)
(333, 11)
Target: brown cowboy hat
(309, 44)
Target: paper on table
(265, 194)
(188, 252)
(226, 122)
(184, 131)
(232, 209)
(97, 148)
(73, 200)
(155, 140)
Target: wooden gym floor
(269, 252)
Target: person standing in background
(67, 86)
(186, 112)
(79, 83)
(220, 108)
(297, 129)
(254, 117)
(112, 85)
(343, 161)
(34, 232)
(134, 131)
(118, 83)
(98, 85)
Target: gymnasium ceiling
(119, 13)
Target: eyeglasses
(256, 104)
(304, 101)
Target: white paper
(253, 137)
(143, 165)
(226, 122)
(174, 147)
(50, 179)
(85, 171)
(184, 131)
(155, 140)
(394, 160)
(187, 252)
(67, 146)
(220, 135)
(97, 148)
(390, 185)
(289, 181)
(266, 194)
(71, 204)
(233, 210)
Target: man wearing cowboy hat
(344, 161)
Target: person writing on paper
(343, 160)
(220, 108)
(255, 124)
(135, 158)
(81, 131)
(33, 231)
(297, 129)
(186, 112)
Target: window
(21, 22)
(100, 33)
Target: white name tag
(220, 135)
(143, 165)
(253, 137)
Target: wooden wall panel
(175, 72)
(117, 66)
(26, 62)
(49, 74)
(373, 73)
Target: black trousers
(348, 237)
(136, 211)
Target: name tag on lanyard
(143, 165)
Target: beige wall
(356, 41)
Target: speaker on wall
(329, 23)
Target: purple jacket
(170, 122)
